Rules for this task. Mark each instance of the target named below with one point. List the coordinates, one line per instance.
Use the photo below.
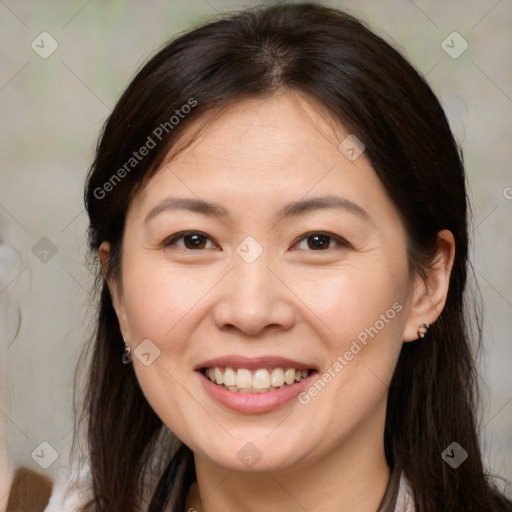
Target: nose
(254, 298)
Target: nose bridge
(253, 278)
(253, 298)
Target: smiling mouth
(262, 380)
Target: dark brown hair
(332, 58)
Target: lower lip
(254, 402)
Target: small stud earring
(127, 354)
(422, 330)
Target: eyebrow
(294, 209)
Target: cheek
(340, 303)
(364, 314)
(351, 301)
(363, 309)
(157, 298)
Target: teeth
(260, 381)
(289, 376)
(243, 379)
(218, 376)
(277, 377)
(229, 377)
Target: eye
(192, 240)
(321, 241)
(316, 241)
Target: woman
(279, 210)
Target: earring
(127, 354)
(422, 330)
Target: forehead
(276, 130)
(258, 151)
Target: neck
(350, 478)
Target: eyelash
(337, 239)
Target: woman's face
(262, 249)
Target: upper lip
(253, 363)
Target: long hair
(332, 58)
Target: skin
(293, 301)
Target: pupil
(323, 241)
(197, 241)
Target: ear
(114, 287)
(429, 293)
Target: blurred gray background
(52, 107)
